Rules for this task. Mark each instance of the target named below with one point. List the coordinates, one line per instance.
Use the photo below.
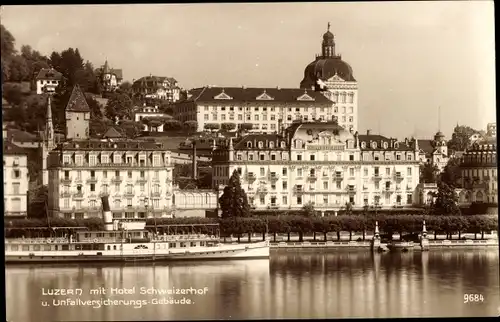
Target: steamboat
(131, 241)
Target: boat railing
(173, 238)
(57, 240)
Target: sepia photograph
(242, 161)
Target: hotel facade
(267, 109)
(136, 175)
(323, 164)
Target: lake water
(298, 284)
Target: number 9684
(471, 298)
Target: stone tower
(77, 116)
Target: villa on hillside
(47, 80)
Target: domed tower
(334, 77)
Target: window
(285, 185)
(262, 200)
(262, 157)
(66, 202)
(142, 174)
(299, 157)
(284, 171)
(129, 174)
(299, 172)
(129, 202)
(142, 187)
(312, 157)
(408, 171)
(351, 157)
(338, 185)
(398, 157)
(387, 171)
(105, 188)
(365, 172)
(351, 172)
(325, 185)
(92, 187)
(117, 188)
(284, 200)
(256, 117)
(105, 174)
(250, 157)
(409, 199)
(262, 172)
(273, 157)
(299, 200)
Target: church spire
(328, 45)
(49, 127)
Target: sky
(411, 59)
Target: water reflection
(290, 285)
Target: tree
(34, 59)
(446, 202)
(98, 127)
(227, 126)
(460, 138)
(19, 69)
(308, 210)
(8, 42)
(12, 94)
(69, 63)
(126, 89)
(191, 126)
(451, 174)
(55, 60)
(428, 173)
(245, 126)
(86, 78)
(119, 105)
(129, 128)
(95, 107)
(212, 126)
(234, 201)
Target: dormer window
(283, 145)
(374, 145)
(249, 144)
(271, 145)
(363, 145)
(386, 145)
(396, 145)
(261, 144)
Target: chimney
(368, 132)
(277, 87)
(195, 168)
(243, 86)
(107, 217)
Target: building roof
(77, 101)
(109, 145)
(269, 142)
(257, 94)
(426, 146)
(48, 74)
(112, 133)
(157, 81)
(104, 69)
(12, 149)
(382, 142)
(21, 136)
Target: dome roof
(324, 68)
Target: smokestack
(368, 132)
(107, 217)
(195, 168)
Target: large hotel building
(323, 164)
(328, 92)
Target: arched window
(249, 144)
(479, 196)
(374, 145)
(271, 145)
(363, 145)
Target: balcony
(398, 188)
(312, 176)
(298, 189)
(338, 176)
(262, 189)
(117, 180)
(65, 194)
(251, 176)
(377, 176)
(129, 193)
(398, 176)
(92, 180)
(273, 206)
(78, 195)
(156, 194)
(117, 165)
(15, 163)
(351, 189)
(273, 176)
(66, 180)
(142, 180)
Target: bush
(212, 126)
(227, 126)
